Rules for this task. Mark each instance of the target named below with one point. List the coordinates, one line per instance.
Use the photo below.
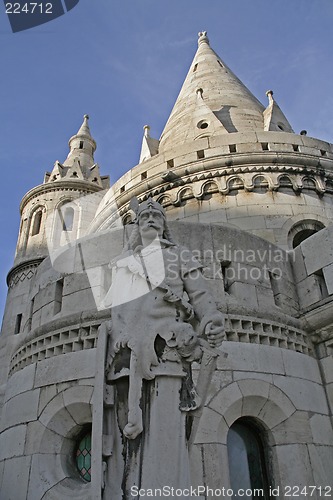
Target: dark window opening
(232, 148)
(321, 283)
(323, 152)
(144, 176)
(220, 64)
(81, 144)
(247, 461)
(195, 67)
(37, 223)
(200, 154)
(274, 281)
(280, 127)
(31, 311)
(122, 189)
(224, 268)
(203, 124)
(264, 146)
(170, 163)
(302, 235)
(58, 296)
(295, 147)
(18, 324)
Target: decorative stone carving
(163, 319)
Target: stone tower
(253, 200)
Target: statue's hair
(135, 238)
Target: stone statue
(163, 318)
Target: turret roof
(212, 101)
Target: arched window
(37, 222)
(303, 230)
(67, 218)
(247, 467)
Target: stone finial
(146, 129)
(86, 117)
(203, 38)
(269, 94)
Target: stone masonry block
(46, 471)
(66, 367)
(212, 428)
(298, 391)
(315, 260)
(321, 427)
(226, 398)
(327, 366)
(20, 381)
(295, 466)
(309, 291)
(20, 409)
(252, 358)
(328, 275)
(296, 429)
(42, 440)
(15, 479)
(12, 442)
(322, 465)
(301, 366)
(56, 417)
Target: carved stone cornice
(24, 270)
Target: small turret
(274, 119)
(80, 163)
(149, 146)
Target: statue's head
(150, 220)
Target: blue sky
(123, 63)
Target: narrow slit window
(224, 270)
(58, 296)
(81, 144)
(273, 278)
(321, 283)
(68, 219)
(37, 222)
(18, 324)
(232, 148)
(195, 68)
(122, 189)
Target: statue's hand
(215, 330)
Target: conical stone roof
(212, 101)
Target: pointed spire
(149, 146)
(82, 146)
(229, 105)
(80, 163)
(274, 119)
